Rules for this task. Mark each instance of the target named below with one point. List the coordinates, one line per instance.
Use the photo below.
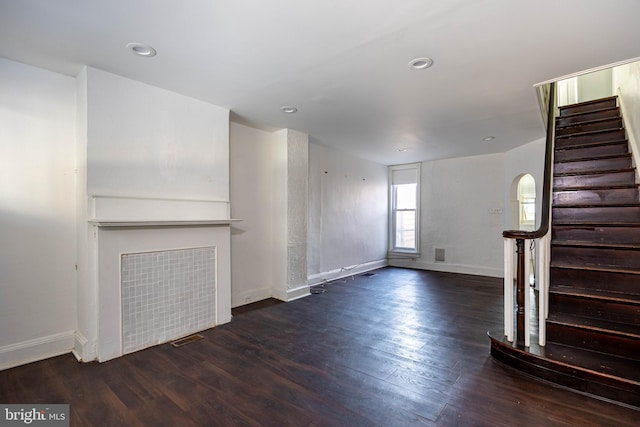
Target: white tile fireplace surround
(158, 279)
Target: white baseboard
(297, 293)
(292, 294)
(82, 349)
(36, 349)
(448, 268)
(340, 273)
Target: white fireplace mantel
(175, 223)
(125, 225)
(132, 209)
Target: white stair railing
(517, 302)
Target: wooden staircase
(593, 327)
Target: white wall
(147, 141)
(526, 159)
(626, 84)
(594, 85)
(456, 198)
(269, 194)
(347, 224)
(258, 199)
(37, 213)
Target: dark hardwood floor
(399, 348)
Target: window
(404, 212)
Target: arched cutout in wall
(526, 203)
(522, 195)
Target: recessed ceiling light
(488, 138)
(288, 109)
(141, 49)
(420, 63)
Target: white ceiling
(342, 63)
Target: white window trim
(393, 251)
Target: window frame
(404, 171)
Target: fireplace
(156, 280)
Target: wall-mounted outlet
(496, 211)
(440, 254)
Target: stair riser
(615, 123)
(624, 214)
(615, 195)
(597, 257)
(587, 152)
(596, 235)
(593, 165)
(603, 280)
(595, 180)
(598, 309)
(583, 108)
(585, 117)
(593, 340)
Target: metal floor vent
(186, 340)
(369, 274)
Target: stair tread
(588, 132)
(599, 325)
(597, 110)
(591, 144)
(585, 122)
(597, 205)
(597, 187)
(601, 157)
(591, 223)
(621, 297)
(574, 130)
(602, 268)
(594, 172)
(593, 101)
(627, 370)
(591, 244)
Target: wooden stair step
(607, 376)
(582, 151)
(596, 223)
(596, 195)
(575, 129)
(604, 113)
(581, 107)
(626, 330)
(594, 303)
(612, 162)
(604, 213)
(604, 279)
(596, 268)
(596, 245)
(586, 173)
(615, 338)
(625, 257)
(596, 233)
(604, 135)
(604, 178)
(598, 294)
(596, 361)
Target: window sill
(402, 254)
